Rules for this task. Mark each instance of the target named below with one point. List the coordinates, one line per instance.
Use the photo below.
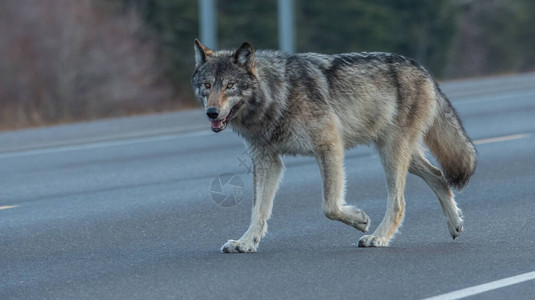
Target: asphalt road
(129, 215)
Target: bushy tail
(450, 145)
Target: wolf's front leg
(330, 158)
(267, 171)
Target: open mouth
(219, 125)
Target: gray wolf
(319, 105)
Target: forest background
(67, 61)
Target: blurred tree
(252, 21)
(416, 28)
(75, 60)
(495, 36)
(175, 22)
(451, 38)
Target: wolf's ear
(202, 53)
(244, 56)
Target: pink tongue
(217, 123)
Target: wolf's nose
(212, 112)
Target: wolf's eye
(207, 85)
(230, 85)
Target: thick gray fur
(319, 105)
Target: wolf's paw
(372, 241)
(357, 218)
(233, 246)
(455, 225)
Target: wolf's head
(223, 81)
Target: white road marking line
(502, 138)
(98, 145)
(478, 289)
(7, 207)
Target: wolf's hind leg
(331, 162)
(395, 154)
(421, 167)
(267, 172)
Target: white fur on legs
(349, 215)
(233, 246)
(330, 160)
(267, 172)
(396, 164)
(421, 167)
(389, 226)
(455, 222)
(372, 241)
